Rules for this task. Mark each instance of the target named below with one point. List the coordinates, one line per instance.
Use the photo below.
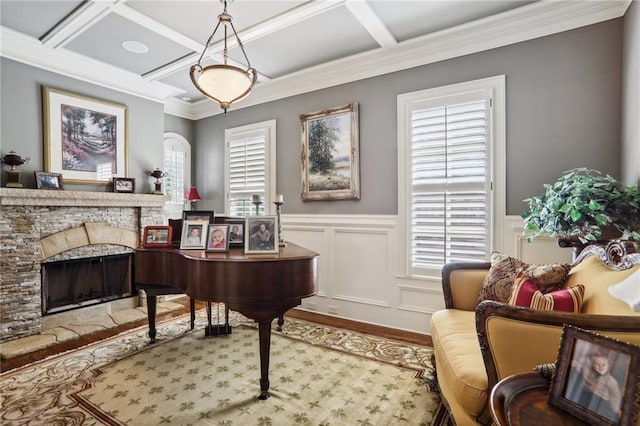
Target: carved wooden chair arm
(448, 284)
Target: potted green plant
(586, 205)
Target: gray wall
(563, 111)
(182, 126)
(21, 100)
(631, 96)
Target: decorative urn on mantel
(13, 175)
(158, 174)
(584, 207)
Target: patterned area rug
(319, 376)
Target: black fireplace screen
(70, 284)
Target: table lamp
(192, 195)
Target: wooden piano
(262, 287)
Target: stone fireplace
(46, 227)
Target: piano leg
(280, 322)
(264, 330)
(151, 316)
(192, 311)
(217, 329)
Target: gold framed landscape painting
(85, 139)
(330, 154)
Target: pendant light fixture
(223, 83)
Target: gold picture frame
(85, 139)
(331, 154)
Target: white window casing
(250, 168)
(451, 174)
(177, 166)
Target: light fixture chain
(239, 44)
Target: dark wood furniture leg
(280, 322)
(192, 312)
(151, 315)
(264, 331)
(217, 329)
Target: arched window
(177, 165)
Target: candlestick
(256, 202)
(279, 202)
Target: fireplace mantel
(29, 216)
(44, 197)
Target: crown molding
(31, 51)
(528, 22)
(525, 23)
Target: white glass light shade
(223, 83)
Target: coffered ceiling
(295, 46)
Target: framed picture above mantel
(85, 139)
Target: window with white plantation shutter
(176, 165)
(446, 176)
(249, 168)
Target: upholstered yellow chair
(476, 345)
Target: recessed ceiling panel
(331, 35)
(409, 19)
(35, 18)
(197, 19)
(182, 80)
(103, 41)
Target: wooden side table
(521, 399)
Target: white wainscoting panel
(540, 250)
(361, 257)
(358, 267)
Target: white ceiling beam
(532, 21)
(76, 23)
(28, 50)
(286, 19)
(157, 27)
(372, 23)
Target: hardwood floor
(385, 332)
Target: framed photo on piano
(157, 236)
(218, 238)
(261, 235)
(194, 234)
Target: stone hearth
(46, 225)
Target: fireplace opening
(71, 284)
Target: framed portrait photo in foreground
(597, 378)
(85, 139)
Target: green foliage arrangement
(587, 205)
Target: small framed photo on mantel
(46, 180)
(127, 185)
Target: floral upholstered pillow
(498, 283)
(547, 277)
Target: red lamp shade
(192, 194)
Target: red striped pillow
(526, 293)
